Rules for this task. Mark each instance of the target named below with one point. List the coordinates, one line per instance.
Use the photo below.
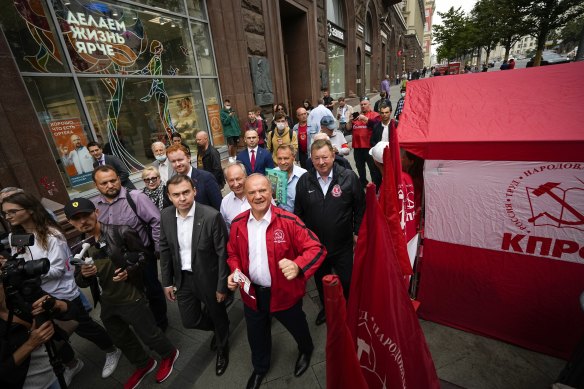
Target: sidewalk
(462, 360)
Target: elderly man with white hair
(162, 163)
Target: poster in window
(71, 143)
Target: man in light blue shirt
(285, 158)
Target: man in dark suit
(255, 159)
(208, 192)
(208, 157)
(101, 159)
(193, 259)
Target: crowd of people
(207, 245)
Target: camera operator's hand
(40, 335)
(120, 275)
(39, 305)
(88, 270)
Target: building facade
(414, 14)
(429, 7)
(129, 72)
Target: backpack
(273, 132)
(132, 205)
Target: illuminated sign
(95, 34)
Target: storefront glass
(134, 74)
(336, 58)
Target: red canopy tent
(504, 191)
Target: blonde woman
(153, 187)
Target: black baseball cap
(78, 205)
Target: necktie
(252, 160)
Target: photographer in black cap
(117, 255)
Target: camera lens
(36, 267)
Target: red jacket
(286, 237)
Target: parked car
(549, 58)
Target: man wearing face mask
(400, 105)
(282, 135)
(231, 129)
(162, 164)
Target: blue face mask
(161, 158)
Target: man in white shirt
(382, 129)
(344, 114)
(193, 255)
(235, 202)
(278, 275)
(318, 113)
(80, 156)
(328, 125)
(285, 155)
(162, 163)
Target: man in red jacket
(274, 251)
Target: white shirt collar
(190, 170)
(330, 175)
(190, 214)
(255, 149)
(267, 216)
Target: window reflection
(336, 55)
(139, 122)
(58, 111)
(204, 50)
(30, 36)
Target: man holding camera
(117, 253)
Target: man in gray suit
(193, 262)
(162, 163)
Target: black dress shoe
(222, 362)
(302, 364)
(320, 318)
(255, 381)
(213, 346)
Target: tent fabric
(521, 299)
(532, 114)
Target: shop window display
(136, 68)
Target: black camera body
(22, 279)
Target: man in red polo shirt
(362, 130)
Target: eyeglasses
(11, 212)
(150, 180)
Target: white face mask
(281, 126)
(161, 158)
(228, 107)
(403, 94)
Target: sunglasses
(150, 180)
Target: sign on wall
(531, 208)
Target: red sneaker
(166, 366)
(139, 375)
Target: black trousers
(342, 264)
(362, 157)
(118, 318)
(87, 329)
(212, 316)
(154, 292)
(302, 158)
(259, 332)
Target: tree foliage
(545, 16)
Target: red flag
(388, 200)
(340, 348)
(391, 346)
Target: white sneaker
(111, 362)
(69, 373)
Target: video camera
(22, 279)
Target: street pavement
(462, 360)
